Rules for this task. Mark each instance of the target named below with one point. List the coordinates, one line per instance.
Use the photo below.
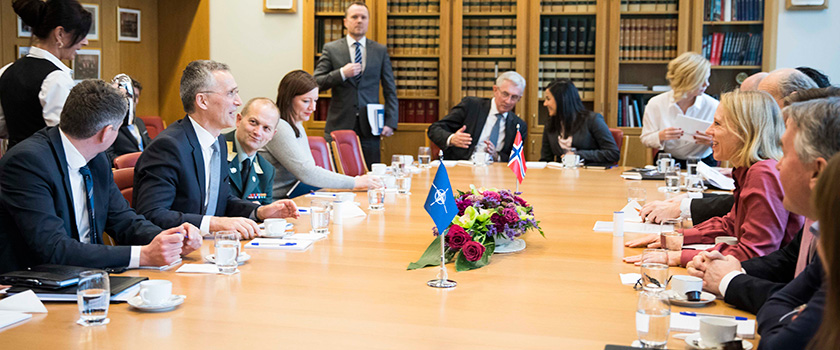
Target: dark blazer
(765, 275)
(350, 97)
(126, 143)
(37, 216)
(169, 180)
(776, 325)
(473, 112)
(593, 142)
(709, 206)
(260, 178)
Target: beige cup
(715, 331)
(726, 239)
(155, 292)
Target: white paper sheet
(23, 302)
(198, 268)
(691, 126)
(10, 318)
(637, 227)
(715, 177)
(536, 165)
(279, 244)
(631, 212)
(376, 118)
(629, 278)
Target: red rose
(457, 237)
(473, 251)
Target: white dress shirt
(54, 90)
(488, 128)
(78, 192)
(352, 47)
(661, 112)
(205, 140)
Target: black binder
(45, 276)
(118, 285)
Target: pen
(274, 244)
(696, 314)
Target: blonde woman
(688, 75)
(746, 131)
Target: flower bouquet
(485, 217)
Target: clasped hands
(169, 245)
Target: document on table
(8, 318)
(715, 177)
(691, 126)
(198, 268)
(637, 227)
(629, 278)
(631, 212)
(684, 323)
(279, 244)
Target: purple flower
(463, 205)
(492, 195)
(520, 201)
(510, 215)
(473, 251)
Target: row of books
(733, 10)
(416, 77)
(649, 5)
(489, 36)
(326, 30)
(413, 6)
(418, 111)
(332, 5)
(631, 110)
(648, 38)
(478, 77)
(413, 36)
(564, 35)
(567, 5)
(733, 48)
(471, 6)
(321, 107)
(581, 73)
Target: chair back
(321, 152)
(618, 136)
(154, 125)
(432, 146)
(124, 178)
(127, 160)
(348, 153)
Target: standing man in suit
(58, 196)
(251, 176)
(491, 121)
(353, 68)
(133, 136)
(183, 175)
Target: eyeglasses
(230, 94)
(507, 96)
(638, 285)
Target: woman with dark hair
(289, 150)
(570, 125)
(33, 88)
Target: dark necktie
(494, 132)
(213, 189)
(246, 170)
(94, 235)
(358, 59)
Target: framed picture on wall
(128, 24)
(93, 34)
(22, 51)
(23, 30)
(87, 64)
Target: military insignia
(233, 170)
(254, 178)
(257, 196)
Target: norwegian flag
(516, 163)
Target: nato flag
(440, 204)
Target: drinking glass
(376, 198)
(694, 183)
(636, 193)
(670, 234)
(226, 248)
(481, 158)
(424, 157)
(691, 165)
(664, 162)
(93, 296)
(320, 216)
(653, 319)
(570, 159)
(404, 184)
(672, 178)
(397, 164)
(654, 269)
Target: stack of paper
(9, 318)
(715, 177)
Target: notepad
(691, 126)
(682, 323)
(715, 177)
(8, 318)
(637, 227)
(631, 211)
(536, 165)
(279, 244)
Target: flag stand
(443, 280)
(517, 180)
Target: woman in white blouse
(688, 75)
(289, 150)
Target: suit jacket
(473, 112)
(169, 180)
(709, 206)
(260, 178)
(776, 325)
(126, 143)
(349, 97)
(765, 275)
(593, 142)
(37, 215)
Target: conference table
(352, 290)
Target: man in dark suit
(133, 136)
(58, 196)
(808, 142)
(353, 68)
(480, 124)
(183, 176)
(251, 176)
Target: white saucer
(170, 304)
(516, 246)
(241, 259)
(692, 341)
(681, 300)
(266, 234)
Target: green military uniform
(258, 187)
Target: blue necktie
(94, 235)
(494, 132)
(213, 189)
(358, 58)
(134, 133)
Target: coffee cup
(715, 331)
(155, 292)
(378, 168)
(726, 239)
(275, 227)
(682, 284)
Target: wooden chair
(321, 152)
(127, 160)
(154, 125)
(432, 146)
(618, 136)
(348, 153)
(124, 178)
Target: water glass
(670, 234)
(94, 297)
(570, 159)
(654, 269)
(226, 249)
(424, 157)
(319, 214)
(664, 162)
(691, 165)
(397, 165)
(404, 184)
(694, 183)
(672, 179)
(653, 319)
(376, 199)
(636, 193)
(481, 158)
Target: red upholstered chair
(348, 153)
(124, 178)
(432, 146)
(618, 136)
(154, 125)
(127, 160)
(321, 152)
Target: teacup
(682, 284)
(275, 227)
(726, 239)
(378, 168)
(715, 331)
(155, 292)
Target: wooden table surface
(352, 290)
